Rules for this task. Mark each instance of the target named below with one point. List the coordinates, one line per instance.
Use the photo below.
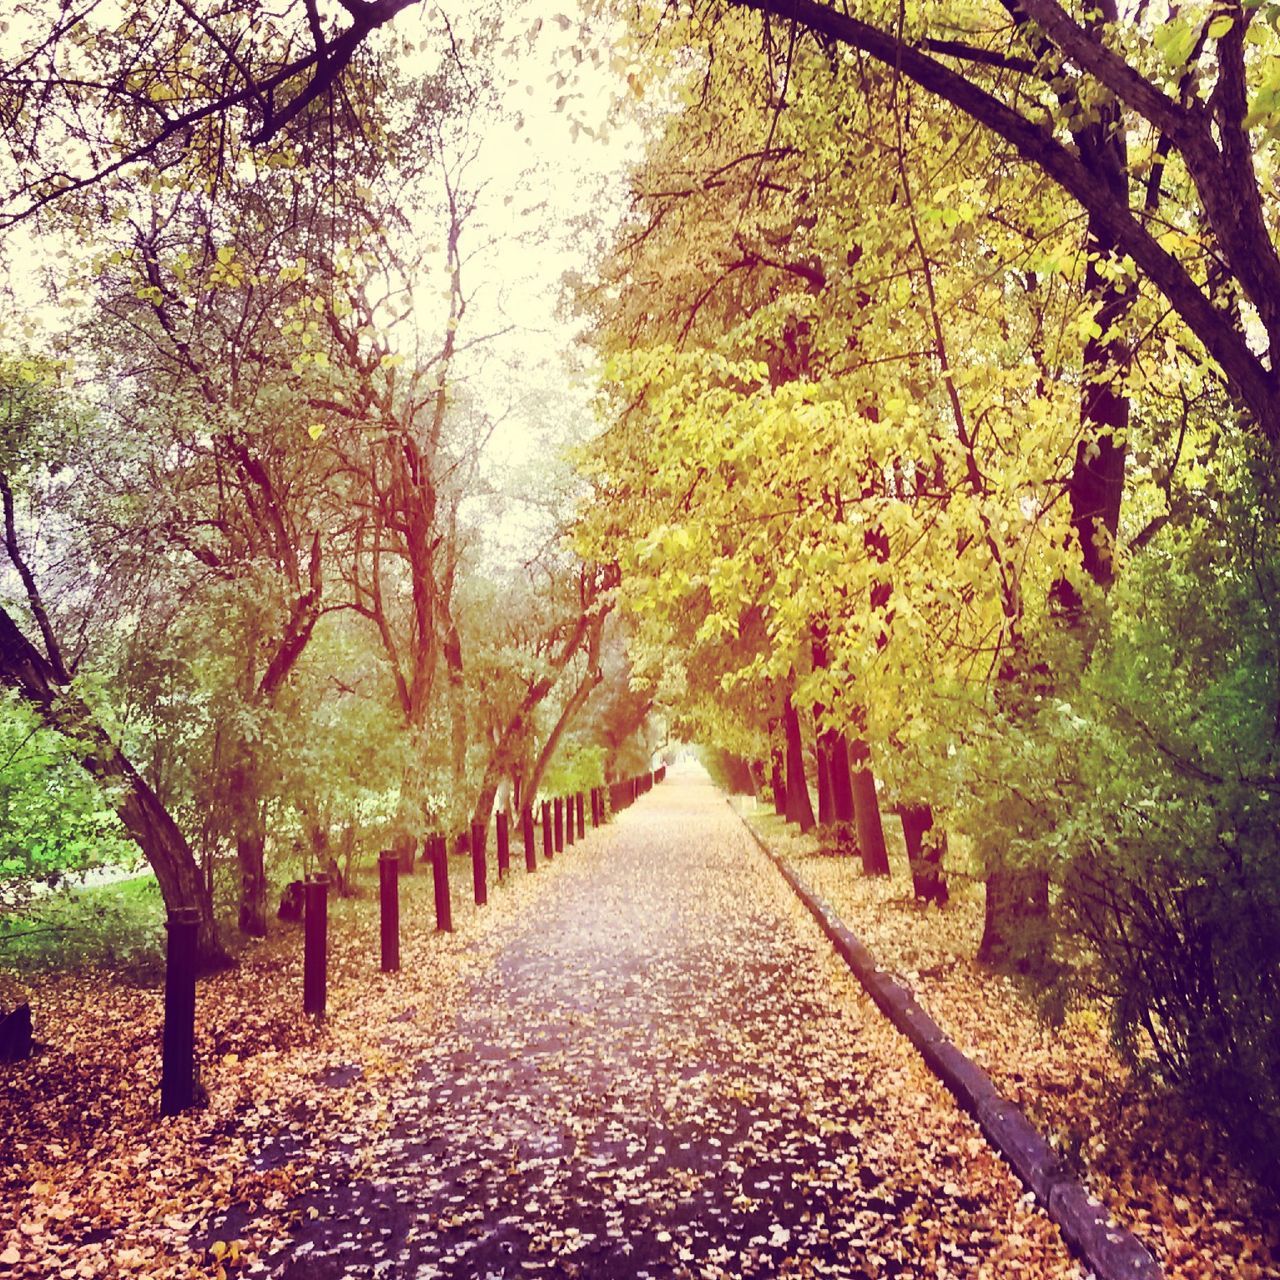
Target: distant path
(665, 1073)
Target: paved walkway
(666, 1073)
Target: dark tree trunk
(866, 812)
(822, 753)
(253, 884)
(777, 776)
(841, 782)
(799, 806)
(925, 847)
(1015, 927)
(456, 682)
(586, 635)
(826, 806)
(322, 849)
(251, 843)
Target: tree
(1194, 94)
(97, 96)
(573, 631)
(789, 390)
(37, 433)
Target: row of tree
(940, 405)
(938, 414)
(246, 504)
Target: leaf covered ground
(1159, 1168)
(642, 1061)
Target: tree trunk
(571, 708)
(251, 842)
(799, 806)
(322, 850)
(822, 755)
(457, 706)
(826, 806)
(146, 820)
(587, 631)
(841, 783)
(253, 883)
(925, 847)
(1015, 929)
(777, 779)
(163, 845)
(866, 812)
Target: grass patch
(120, 925)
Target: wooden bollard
(479, 871)
(526, 830)
(547, 840)
(580, 802)
(440, 882)
(557, 806)
(504, 846)
(178, 1057)
(389, 898)
(570, 823)
(315, 945)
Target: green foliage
(1148, 788)
(576, 767)
(54, 820)
(119, 924)
(728, 771)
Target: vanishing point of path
(665, 1072)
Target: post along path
(664, 1071)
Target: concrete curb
(1110, 1251)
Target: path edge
(1111, 1251)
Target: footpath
(665, 1071)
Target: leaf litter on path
(643, 1061)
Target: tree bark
(777, 778)
(567, 715)
(1014, 928)
(841, 783)
(251, 842)
(250, 850)
(866, 812)
(322, 851)
(826, 806)
(588, 630)
(456, 682)
(925, 847)
(799, 806)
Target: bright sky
(551, 176)
(543, 174)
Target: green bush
(575, 767)
(1173, 879)
(1142, 781)
(728, 771)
